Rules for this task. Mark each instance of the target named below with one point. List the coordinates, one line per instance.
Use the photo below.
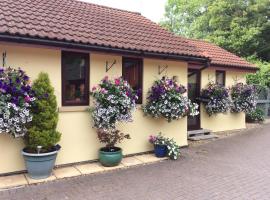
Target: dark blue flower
(26, 78)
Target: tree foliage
(262, 76)
(42, 131)
(240, 26)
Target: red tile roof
(220, 56)
(87, 23)
(90, 24)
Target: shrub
(165, 99)
(256, 115)
(16, 99)
(111, 138)
(42, 131)
(244, 98)
(215, 98)
(114, 102)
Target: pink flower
(117, 82)
(152, 138)
(94, 88)
(27, 99)
(106, 78)
(103, 91)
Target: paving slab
(12, 181)
(112, 168)
(33, 181)
(66, 172)
(90, 168)
(131, 161)
(149, 158)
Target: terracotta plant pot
(110, 156)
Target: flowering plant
(244, 98)
(157, 139)
(173, 150)
(16, 99)
(257, 115)
(166, 99)
(215, 98)
(114, 102)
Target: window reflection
(75, 78)
(220, 77)
(132, 73)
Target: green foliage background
(42, 131)
(261, 77)
(240, 26)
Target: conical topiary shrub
(41, 139)
(42, 131)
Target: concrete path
(236, 167)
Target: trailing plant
(256, 115)
(215, 98)
(16, 99)
(244, 98)
(42, 130)
(114, 102)
(165, 99)
(173, 150)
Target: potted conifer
(42, 137)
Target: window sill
(73, 109)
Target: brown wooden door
(194, 78)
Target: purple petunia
(17, 96)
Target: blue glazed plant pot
(160, 150)
(110, 157)
(39, 166)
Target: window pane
(132, 72)
(192, 86)
(75, 76)
(220, 77)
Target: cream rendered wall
(228, 121)
(79, 142)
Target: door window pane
(75, 72)
(193, 94)
(132, 73)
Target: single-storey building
(78, 43)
